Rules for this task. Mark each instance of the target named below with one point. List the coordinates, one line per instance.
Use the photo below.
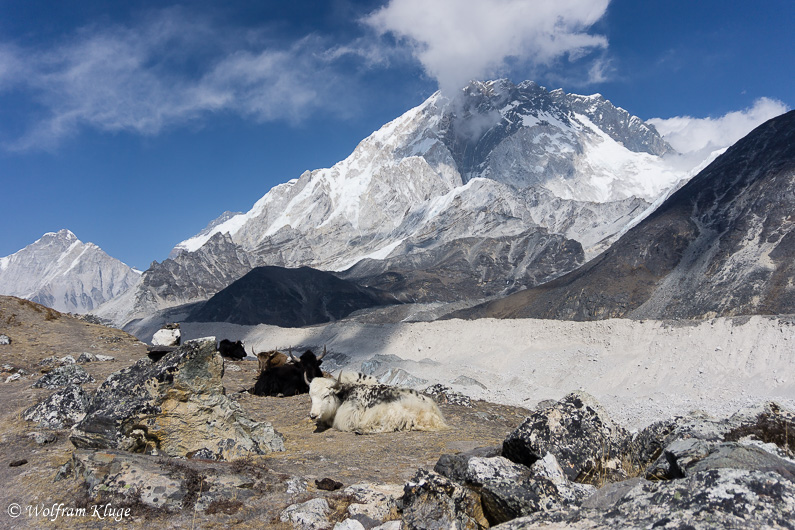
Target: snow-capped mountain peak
(495, 161)
(60, 271)
(580, 148)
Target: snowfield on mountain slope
(641, 371)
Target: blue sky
(136, 123)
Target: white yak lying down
(369, 409)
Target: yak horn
(306, 379)
(290, 351)
(322, 354)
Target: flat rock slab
(168, 483)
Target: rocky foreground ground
(137, 443)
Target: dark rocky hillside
(470, 268)
(723, 245)
(288, 298)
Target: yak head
(309, 363)
(323, 391)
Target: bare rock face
(177, 407)
(578, 432)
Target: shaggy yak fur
(369, 409)
(357, 378)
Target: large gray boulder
(176, 407)
(509, 490)
(578, 432)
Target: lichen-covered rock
(506, 498)
(175, 407)
(431, 501)
(766, 423)
(51, 361)
(61, 410)
(43, 438)
(718, 498)
(482, 471)
(87, 357)
(64, 376)
(578, 432)
(310, 515)
(375, 501)
(5, 340)
(508, 489)
(740, 456)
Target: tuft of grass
(225, 506)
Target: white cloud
(167, 70)
(460, 40)
(703, 135)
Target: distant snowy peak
(60, 271)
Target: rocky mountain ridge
(722, 245)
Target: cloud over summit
(460, 40)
